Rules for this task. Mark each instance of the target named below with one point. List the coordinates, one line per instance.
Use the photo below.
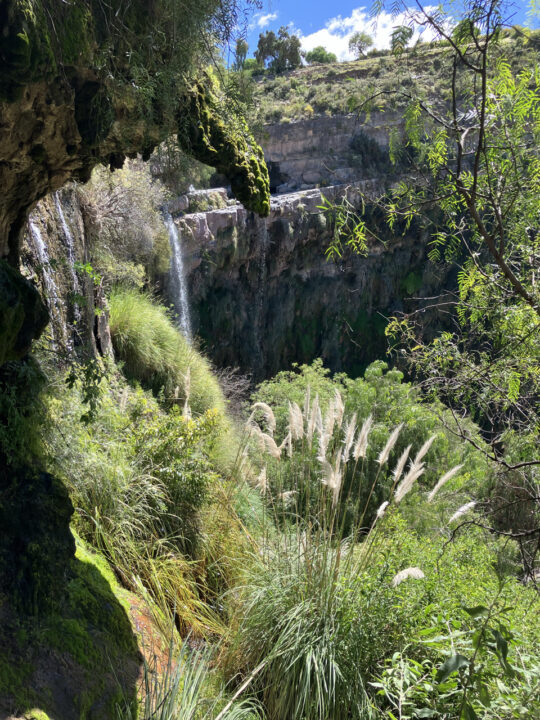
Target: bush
(122, 214)
(390, 403)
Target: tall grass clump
(186, 690)
(303, 613)
(156, 354)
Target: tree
(241, 53)
(359, 43)
(279, 53)
(400, 38)
(476, 189)
(320, 55)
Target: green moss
(86, 648)
(229, 147)
(36, 714)
(95, 600)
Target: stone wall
(327, 150)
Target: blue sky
(332, 23)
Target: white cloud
(335, 35)
(261, 21)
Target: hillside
(342, 88)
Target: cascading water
(52, 295)
(70, 247)
(262, 242)
(178, 280)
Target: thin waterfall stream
(70, 246)
(262, 241)
(178, 280)
(52, 295)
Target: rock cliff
(263, 295)
(325, 150)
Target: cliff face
(84, 83)
(328, 150)
(262, 294)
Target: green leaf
(476, 611)
(468, 713)
(425, 713)
(451, 665)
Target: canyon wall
(326, 150)
(263, 295)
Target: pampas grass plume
(296, 421)
(408, 481)
(461, 511)
(348, 440)
(443, 480)
(423, 450)
(268, 415)
(398, 470)
(387, 449)
(361, 444)
(410, 572)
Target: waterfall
(262, 238)
(178, 280)
(70, 246)
(52, 296)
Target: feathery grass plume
(287, 496)
(348, 440)
(312, 420)
(327, 431)
(296, 421)
(410, 572)
(254, 430)
(398, 470)
(271, 447)
(361, 444)
(268, 415)
(339, 408)
(333, 477)
(187, 389)
(318, 418)
(387, 449)
(423, 450)
(408, 481)
(462, 511)
(382, 509)
(443, 480)
(262, 481)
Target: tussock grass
(183, 690)
(156, 354)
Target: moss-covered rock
(23, 314)
(80, 660)
(207, 134)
